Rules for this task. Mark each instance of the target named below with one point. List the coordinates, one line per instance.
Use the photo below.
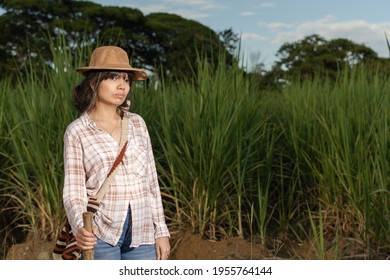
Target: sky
(265, 25)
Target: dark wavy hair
(85, 94)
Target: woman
(129, 222)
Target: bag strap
(93, 202)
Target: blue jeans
(122, 250)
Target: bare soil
(187, 247)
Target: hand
(86, 240)
(163, 248)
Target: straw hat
(111, 58)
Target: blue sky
(264, 25)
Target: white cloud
(199, 4)
(279, 25)
(267, 5)
(253, 37)
(246, 14)
(359, 31)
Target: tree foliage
(151, 41)
(230, 40)
(176, 41)
(314, 55)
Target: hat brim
(139, 74)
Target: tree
(151, 41)
(28, 25)
(178, 43)
(229, 39)
(315, 55)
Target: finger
(164, 254)
(85, 240)
(167, 254)
(85, 244)
(95, 230)
(158, 253)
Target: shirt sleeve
(161, 228)
(74, 191)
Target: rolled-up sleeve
(161, 228)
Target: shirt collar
(87, 121)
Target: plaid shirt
(89, 153)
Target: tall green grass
(308, 163)
(38, 108)
(339, 135)
(211, 147)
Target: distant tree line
(153, 41)
(313, 56)
(163, 43)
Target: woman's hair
(85, 94)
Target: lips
(120, 96)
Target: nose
(122, 83)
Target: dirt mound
(189, 247)
(193, 247)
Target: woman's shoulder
(135, 119)
(76, 126)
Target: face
(114, 89)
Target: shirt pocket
(137, 161)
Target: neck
(99, 113)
